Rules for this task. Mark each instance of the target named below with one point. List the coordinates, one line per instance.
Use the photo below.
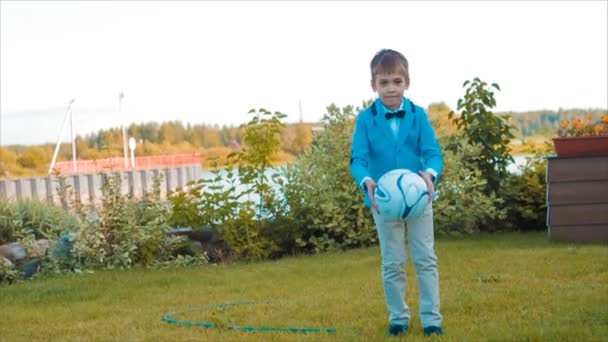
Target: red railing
(118, 164)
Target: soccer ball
(401, 194)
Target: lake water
(519, 160)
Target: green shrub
(123, 230)
(205, 202)
(463, 207)
(126, 230)
(228, 211)
(30, 220)
(317, 206)
(8, 274)
(325, 207)
(525, 193)
(492, 133)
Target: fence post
(38, 189)
(77, 187)
(163, 181)
(130, 182)
(180, 176)
(3, 192)
(20, 189)
(50, 191)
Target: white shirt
(394, 122)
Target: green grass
(504, 287)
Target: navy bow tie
(398, 114)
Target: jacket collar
(378, 111)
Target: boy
(393, 133)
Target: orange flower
(585, 127)
(598, 129)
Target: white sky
(210, 62)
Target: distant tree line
(159, 136)
(215, 141)
(542, 123)
(545, 122)
(153, 138)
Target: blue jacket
(375, 150)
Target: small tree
(481, 127)
(261, 140)
(207, 202)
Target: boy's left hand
(429, 183)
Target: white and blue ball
(401, 194)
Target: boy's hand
(371, 187)
(429, 183)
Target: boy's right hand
(371, 187)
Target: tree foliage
(525, 192)
(546, 122)
(438, 114)
(261, 141)
(463, 206)
(326, 209)
(234, 213)
(481, 127)
(33, 157)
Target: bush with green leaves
(125, 230)
(29, 220)
(261, 138)
(244, 230)
(492, 133)
(225, 208)
(325, 207)
(524, 193)
(26, 221)
(463, 206)
(8, 273)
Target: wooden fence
(87, 187)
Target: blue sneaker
(432, 330)
(397, 329)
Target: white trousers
(421, 240)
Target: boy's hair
(388, 61)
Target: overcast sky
(210, 62)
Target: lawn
(503, 287)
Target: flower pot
(581, 146)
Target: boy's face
(390, 88)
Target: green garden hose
(167, 318)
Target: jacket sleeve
(429, 146)
(359, 159)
